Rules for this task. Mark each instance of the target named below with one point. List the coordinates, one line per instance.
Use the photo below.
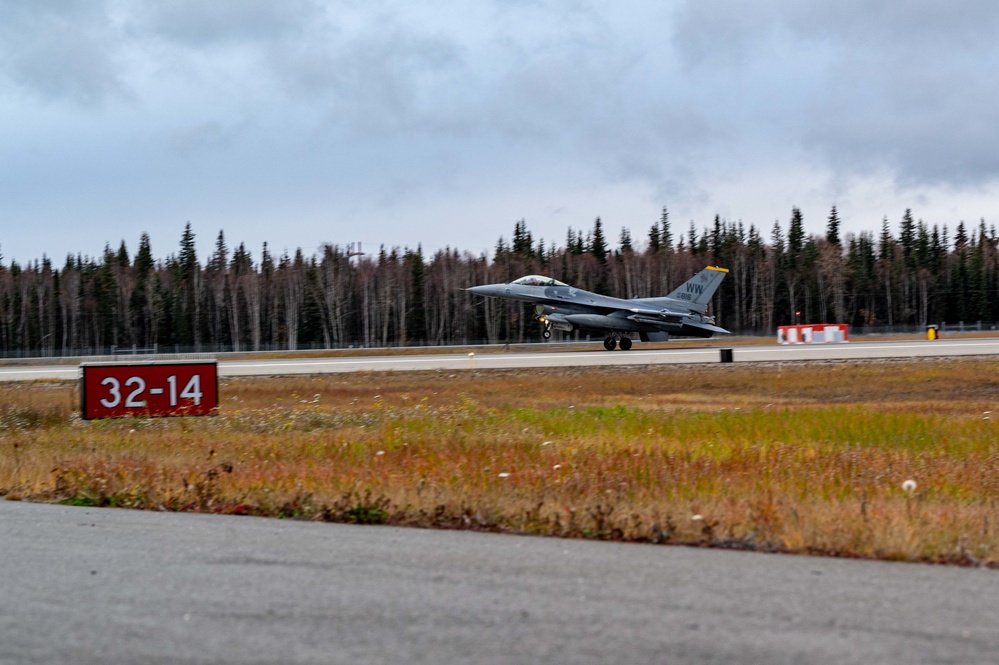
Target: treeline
(337, 298)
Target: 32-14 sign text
(114, 390)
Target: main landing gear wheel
(625, 343)
(610, 343)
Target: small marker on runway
(471, 360)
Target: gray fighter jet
(559, 306)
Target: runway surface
(108, 586)
(494, 359)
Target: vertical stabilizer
(698, 290)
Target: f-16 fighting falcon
(561, 307)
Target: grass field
(809, 458)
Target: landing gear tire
(625, 344)
(547, 334)
(610, 343)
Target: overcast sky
(299, 122)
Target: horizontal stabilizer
(707, 327)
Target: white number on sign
(193, 390)
(115, 392)
(133, 401)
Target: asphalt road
(82, 585)
(498, 359)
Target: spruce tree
(186, 301)
(938, 249)
(241, 260)
(598, 245)
(907, 234)
(574, 242)
(665, 234)
(703, 245)
(500, 251)
(220, 258)
(523, 243)
(188, 257)
(417, 323)
(716, 238)
(123, 259)
(144, 257)
(140, 303)
(921, 255)
(625, 240)
(887, 241)
(777, 242)
(266, 262)
(832, 227)
(960, 236)
(796, 232)
(654, 238)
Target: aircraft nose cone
(485, 290)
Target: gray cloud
(209, 135)
(61, 50)
(927, 126)
(375, 81)
(900, 86)
(713, 32)
(218, 23)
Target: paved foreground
(80, 585)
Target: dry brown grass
(802, 458)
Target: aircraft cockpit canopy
(537, 280)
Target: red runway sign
(115, 390)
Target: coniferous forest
(234, 300)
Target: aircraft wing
(657, 313)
